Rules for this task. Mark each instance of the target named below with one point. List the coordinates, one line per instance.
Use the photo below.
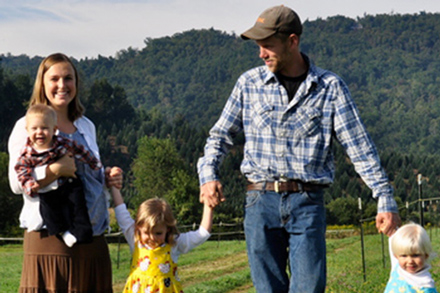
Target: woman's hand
(113, 177)
(64, 167)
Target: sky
(88, 28)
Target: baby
(64, 209)
(410, 252)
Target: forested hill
(152, 107)
(390, 62)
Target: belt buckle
(276, 186)
(276, 183)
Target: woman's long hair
(76, 109)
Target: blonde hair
(76, 109)
(411, 239)
(155, 211)
(43, 110)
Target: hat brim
(257, 34)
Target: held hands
(113, 177)
(387, 223)
(211, 193)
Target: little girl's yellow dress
(153, 270)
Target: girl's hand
(113, 177)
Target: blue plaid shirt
(294, 139)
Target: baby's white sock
(69, 239)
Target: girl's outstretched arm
(188, 240)
(116, 195)
(123, 217)
(207, 217)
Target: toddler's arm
(393, 259)
(117, 196)
(188, 240)
(125, 222)
(207, 217)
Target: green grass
(11, 258)
(222, 266)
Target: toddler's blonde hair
(411, 239)
(155, 211)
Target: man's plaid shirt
(294, 139)
(30, 158)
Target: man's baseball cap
(273, 20)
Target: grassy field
(222, 266)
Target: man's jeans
(286, 226)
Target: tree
(10, 204)
(160, 171)
(13, 94)
(343, 211)
(156, 163)
(184, 198)
(107, 105)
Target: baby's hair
(44, 110)
(411, 239)
(156, 211)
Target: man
(290, 112)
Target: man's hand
(387, 223)
(211, 193)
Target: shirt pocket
(306, 121)
(261, 116)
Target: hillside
(175, 87)
(390, 62)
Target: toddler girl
(410, 252)
(156, 243)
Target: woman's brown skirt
(50, 266)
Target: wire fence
(221, 231)
(234, 231)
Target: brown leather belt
(284, 186)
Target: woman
(49, 265)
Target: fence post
(362, 238)
(436, 217)
(119, 249)
(218, 235)
(421, 204)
